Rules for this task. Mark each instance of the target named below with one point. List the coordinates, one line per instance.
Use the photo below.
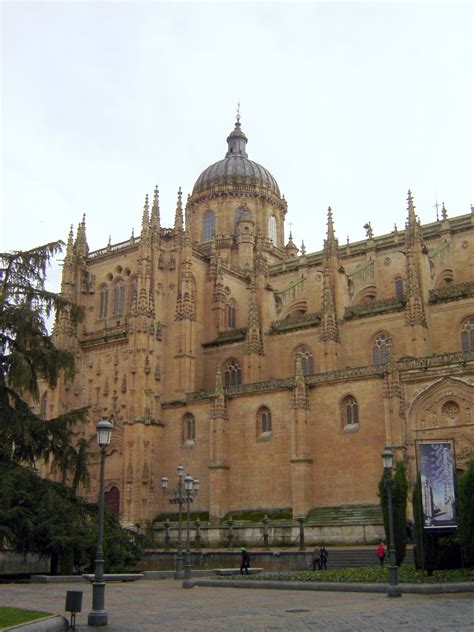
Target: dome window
(272, 229)
(209, 226)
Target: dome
(236, 168)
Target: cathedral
(273, 375)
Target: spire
(178, 218)
(70, 242)
(411, 209)
(330, 243)
(330, 224)
(155, 210)
(236, 141)
(291, 248)
(81, 240)
(145, 216)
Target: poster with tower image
(436, 464)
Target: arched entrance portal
(112, 501)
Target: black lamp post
(181, 495)
(191, 487)
(98, 614)
(393, 589)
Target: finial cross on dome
(238, 111)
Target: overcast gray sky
(347, 104)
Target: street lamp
(393, 589)
(191, 487)
(184, 492)
(98, 614)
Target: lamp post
(393, 589)
(184, 492)
(191, 487)
(98, 614)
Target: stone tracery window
(380, 349)
(119, 298)
(208, 226)
(398, 283)
(232, 373)
(349, 412)
(264, 421)
(238, 215)
(467, 335)
(306, 359)
(189, 428)
(103, 301)
(272, 229)
(231, 314)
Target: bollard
(301, 533)
(265, 532)
(167, 534)
(197, 537)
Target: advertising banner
(437, 484)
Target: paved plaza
(165, 606)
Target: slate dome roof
(236, 168)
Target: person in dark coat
(316, 562)
(245, 561)
(323, 558)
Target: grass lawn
(406, 574)
(15, 616)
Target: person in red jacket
(381, 553)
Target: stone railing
(438, 359)
(227, 337)
(296, 322)
(452, 292)
(112, 334)
(375, 307)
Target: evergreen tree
(37, 515)
(399, 506)
(466, 512)
(28, 354)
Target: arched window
(104, 301)
(231, 314)
(232, 373)
(306, 359)
(272, 229)
(119, 298)
(189, 428)
(349, 411)
(398, 286)
(208, 226)
(112, 500)
(264, 420)
(380, 349)
(467, 334)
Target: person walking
(316, 562)
(323, 558)
(245, 561)
(381, 553)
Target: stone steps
(345, 515)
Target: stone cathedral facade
(275, 376)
